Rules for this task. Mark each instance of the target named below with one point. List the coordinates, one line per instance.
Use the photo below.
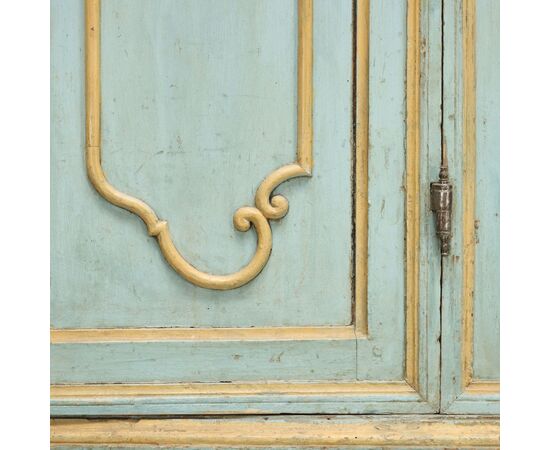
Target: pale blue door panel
(470, 308)
(486, 357)
(199, 105)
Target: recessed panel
(199, 104)
(486, 360)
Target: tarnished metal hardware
(441, 199)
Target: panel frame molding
(462, 393)
(268, 206)
(414, 394)
(298, 432)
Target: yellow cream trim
(468, 196)
(98, 391)
(481, 387)
(68, 336)
(413, 191)
(296, 432)
(267, 207)
(361, 197)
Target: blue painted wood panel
(199, 105)
(204, 361)
(386, 166)
(199, 101)
(487, 276)
(485, 345)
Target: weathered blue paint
(486, 289)
(430, 155)
(204, 361)
(272, 404)
(487, 277)
(199, 103)
(195, 115)
(386, 166)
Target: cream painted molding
(267, 206)
(298, 432)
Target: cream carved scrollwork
(268, 206)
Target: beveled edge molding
(98, 335)
(85, 392)
(412, 221)
(427, 431)
(267, 206)
(470, 386)
(361, 187)
(413, 174)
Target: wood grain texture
(330, 432)
(193, 447)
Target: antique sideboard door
(241, 216)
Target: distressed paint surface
(199, 105)
(263, 447)
(203, 361)
(386, 167)
(255, 448)
(249, 448)
(287, 432)
(235, 448)
(273, 404)
(107, 272)
(431, 29)
(487, 276)
(485, 307)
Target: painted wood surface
(386, 169)
(470, 309)
(286, 432)
(107, 273)
(193, 447)
(198, 106)
(486, 357)
(204, 361)
(431, 29)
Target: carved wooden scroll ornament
(267, 206)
